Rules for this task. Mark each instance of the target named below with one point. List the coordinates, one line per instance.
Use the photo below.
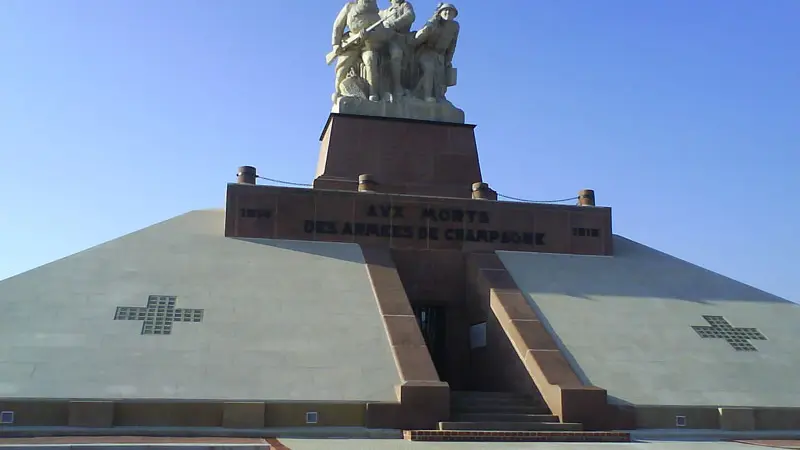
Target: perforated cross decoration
(738, 338)
(159, 314)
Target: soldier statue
(436, 45)
(378, 57)
(398, 17)
(359, 44)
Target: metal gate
(432, 323)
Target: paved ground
(359, 444)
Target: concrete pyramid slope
(253, 319)
(626, 322)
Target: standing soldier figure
(357, 17)
(398, 17)
(436, 43)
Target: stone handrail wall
(424, 399)
(545, 365)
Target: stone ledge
(135, 442)
(91, 414)
(243, 414)
(404, 108)
(293, 414)
(516, 436)
(204, 432)
(424, 403)
(206, 414)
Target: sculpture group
(380, 59)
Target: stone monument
(391, 118)
(385, 69)
(397, 294)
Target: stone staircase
(502, 411)
(506, 416)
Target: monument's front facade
(396, 293)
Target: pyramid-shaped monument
(397, 293)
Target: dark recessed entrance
(433, 324)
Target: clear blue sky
(683, 115)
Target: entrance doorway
(433, 324)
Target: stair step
(502, 417)
(485, 394)
(516, 436)
(500, 409)
(509, 426)
(505, 401)
(465, 397)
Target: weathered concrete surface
(282, 320)
(626, 323)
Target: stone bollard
(366, 183)
(480, 191)
(586, 197)
(246, 175)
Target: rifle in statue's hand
(353, 40)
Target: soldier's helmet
(444, 6)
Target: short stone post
(246, 175)
(586, 197)
(480, 191)
(366, 183)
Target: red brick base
(517, 436)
